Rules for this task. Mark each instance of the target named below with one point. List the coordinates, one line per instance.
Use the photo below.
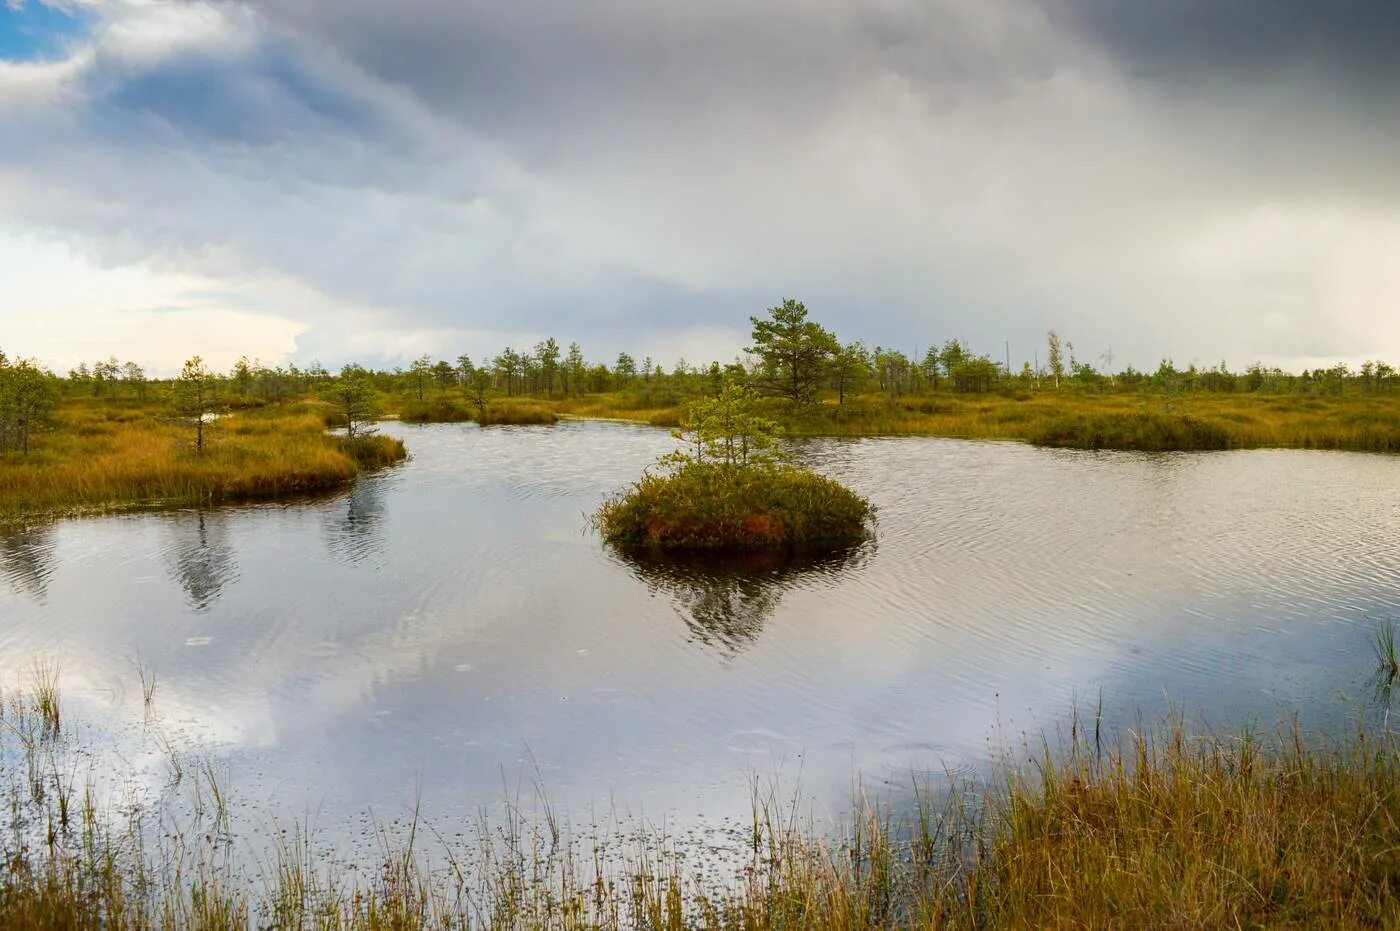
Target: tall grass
(44, 689)
(436, 410)
(1164, 828)
(1148, 431)
(520, 411)
(113, 454)
(496, 411)
(1383, 642)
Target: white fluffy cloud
(351, 179)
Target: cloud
(433, 176)
(1353, 41)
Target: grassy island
(489, 413)
(113, 454)
(708, 505)
(516, 412)
(727, 488)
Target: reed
(44, 689)
(147, 673)
(107, 454)
(1383, 642)
(1162, 827)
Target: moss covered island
(729, 487)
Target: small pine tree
(726, 430)
(195, 398)
(355, 400)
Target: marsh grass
(1158, 827)
(1129, 420)
(499, 411)
(1166, 828)
(1383, 643)
(147, 674)
(1146, 431)
(436, 410)
(45, 694)
(109, 454)
(517, 411)
(707, 505)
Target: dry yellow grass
(104, 454)
(1173, 830)
(1074, 418)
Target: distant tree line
(790, 356)
(794, 357)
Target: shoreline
(102, 458)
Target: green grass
(714, 506)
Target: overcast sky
(338, 179)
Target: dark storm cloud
(261, 99)
(538, 72)
(1199, 179)
(1355, 41)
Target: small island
(730, 487)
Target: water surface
(448, 630)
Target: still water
(448, 631)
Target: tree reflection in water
(199, 556)
(27, 559)
(726, 598)
(354, 523)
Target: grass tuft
(44, 689)
(1383, 642)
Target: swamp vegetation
(110, 453)
(107, 435)
(1161, 826)
(728, 486)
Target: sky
(335, 180)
